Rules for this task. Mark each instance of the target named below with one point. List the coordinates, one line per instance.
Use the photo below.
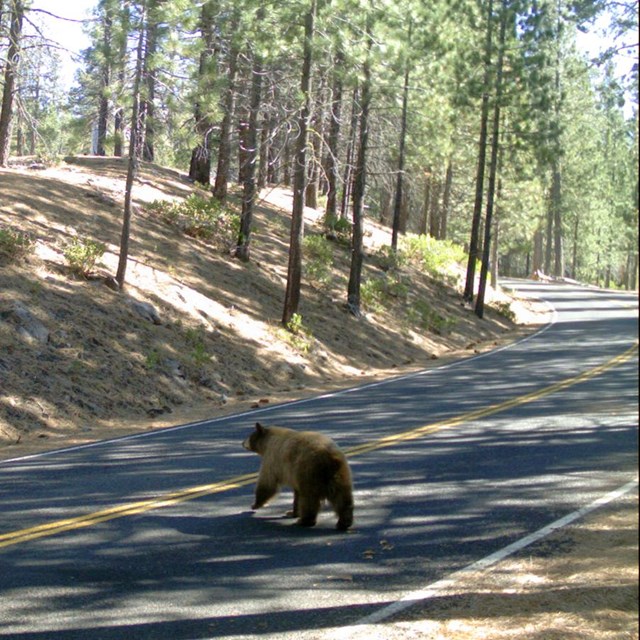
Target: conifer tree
(10, 77)
(360, 173)
(294, 271)
(134, 144)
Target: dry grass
(581, 583)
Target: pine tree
(10, 76)
(359, 180)
(200, 166)
(482, 151)
(294, 271)
(134, 143)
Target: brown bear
(308, 462)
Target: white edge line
(435, 588)
(334, 394)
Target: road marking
(388, 441)
(362, 629)
(169, 499)
(133, 508)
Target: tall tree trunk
(294, 270)
(574, 257)
(119, 115)
(105, 81)
(10, 74)
(228, 110)
(334, 140)
(347, 181)
(446, 199)
(263, 154)
(359, 181)
(548, 241)
(434, 208)
(426, 200)
(200, 166)
(249, 174)
(315, 160)
(482, 154)
(287, 161)
(134, 140)
(493, 169)
(556, 214)
(495, 245)
(397, 206)
(148, 107)
(538, 257)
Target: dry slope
(196, 333)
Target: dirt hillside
(196, 333)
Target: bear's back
(301, 458)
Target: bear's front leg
(264, 493)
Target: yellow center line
(169, 499)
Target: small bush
(426, 317)
(195, 338)
(152, 360)
(297, 334)
(15, 244)
(318, 259)
(378, 293)
(504, 309)
(338, 228)
(372, 294)
(82, 255)
(390, 260)
(200, 217)
(436, 257)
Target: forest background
(477, 122)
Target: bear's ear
(259, 428)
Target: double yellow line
(170, 499)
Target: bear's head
(257, 440)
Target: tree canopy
(479, 122)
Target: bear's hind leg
(294, 510)
(308, 508)
(343, 506)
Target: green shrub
(389, 260)
(195, 338)
(422, 314)
(378, 293)
(152, 360)
(15, 244)
(436, 257)
(82, 255)
(372, 294)
(297, 334)
(338, 228)
(199, 216)
(504, 309)
(318, 258)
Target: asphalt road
(151, 536)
